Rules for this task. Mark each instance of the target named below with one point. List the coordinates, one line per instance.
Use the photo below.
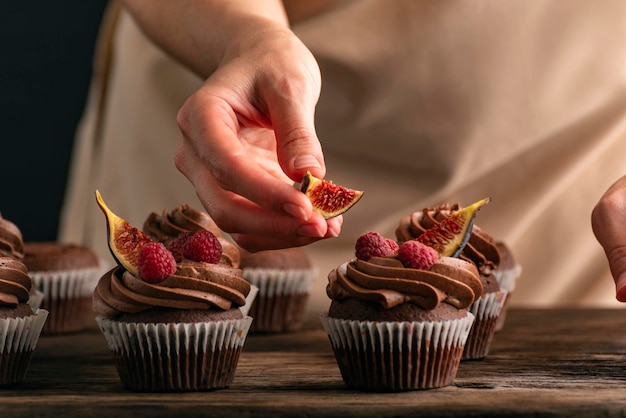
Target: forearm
(201, 33)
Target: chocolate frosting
(15, 283)
(194, 285)
(169, 225)
(481, 248)
(11, 242)
(385, 281)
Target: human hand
(608, 221)
(248, 135)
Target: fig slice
(124, 240)
(450, 235)
(328, 199)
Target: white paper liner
(67, 296)
(21, 334)
(67, 284)
(433, 352)
(277, 282)
(508, 278)
(489, 305)
(249, 300)
(35, 299)
(282, 298)
(486, 310)
(161, 353)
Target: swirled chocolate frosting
(386, 282)
(15, 283)
(194, 286)
(169, 225)
(11, 242)
(481, 248)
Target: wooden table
(544, 363)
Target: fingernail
(309, 231)
(306, 161)
(295, 211)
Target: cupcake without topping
(284, 278)
(66, 274)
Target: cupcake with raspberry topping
(20, 324)
(398, 318)
(284, 278)
(179, 323)
(481, 250)
(168, 225)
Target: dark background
(46, 51)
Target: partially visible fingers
(211, 128)
(237, 215)
(256, 243)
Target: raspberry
(416, 255)
(372, 244)
(203, 246)
(156, 263)
(177, 244)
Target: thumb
(293, 120)
(300, 151)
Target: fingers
(217, 146)
(608, 221)
(290, 95)
(241, 217)
(255, 243)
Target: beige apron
(422, 103)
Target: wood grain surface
(543, 363)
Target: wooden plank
(544, 362)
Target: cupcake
(284, 279)
(481, 250)
(175, 321)
(507, 274)
(398, 318)
(20, 325)
(66, 274)
(12, 245)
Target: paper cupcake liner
(254, 291)
(397, 356)
(282, 298)
(486, 310)
(507, 279)
(176, 356)
(35, 300)
(18, 339)
(67, 296)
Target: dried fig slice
(124, 240)
(328, 199)
(450, 235)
